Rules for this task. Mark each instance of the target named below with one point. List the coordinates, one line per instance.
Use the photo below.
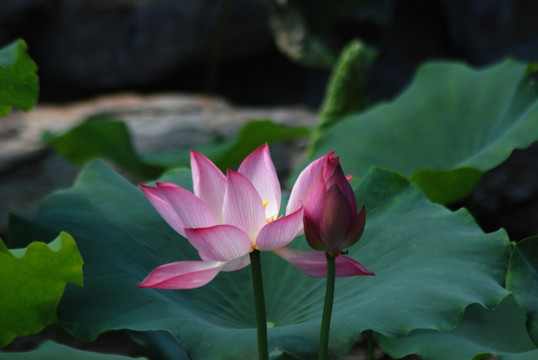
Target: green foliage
(52, 351)
(32, 281)
(251, 136)
(452, 124)
(346, 93)
(522, 281)
(103, 137)
(500, 333)
(228, 153)
(430, 264)
(19, 84)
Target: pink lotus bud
(331, 221)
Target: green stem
(369, 345)
(261, 321)
(327, 310)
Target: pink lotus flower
(228, 217)
(225, 219)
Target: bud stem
(327, 309)
(261, 321)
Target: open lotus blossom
(225, 219)
(228, 217)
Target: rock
(164, 122)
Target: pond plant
(216, 261)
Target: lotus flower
(229, 216)
(331, 221)
(225, 219)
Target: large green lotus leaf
(32, 281)
(430, 264)
(19, 84)
(452, 124)
(501, 333)
(522, 280)
(50, 350)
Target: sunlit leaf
(32, 281)
(19, 84)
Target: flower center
(272, 218)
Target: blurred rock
(165, 122)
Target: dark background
(227, 47)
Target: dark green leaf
(430, 264)
(52, 351)
(522, 280)
(500, 332)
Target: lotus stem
(259, 300)
(327, 309)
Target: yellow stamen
(272, 218)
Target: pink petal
(304, 182)
(209, 183)
(192, 211)
(164, 208)
(243, 206)
(237, 263)
(315, 264)
(260, 170)
(315, 203)
(312, 234)
(280, 232)
(337, 216)
(342, 182)
(220, 242)
(231, 265)
(356, 229)
(182, 275)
